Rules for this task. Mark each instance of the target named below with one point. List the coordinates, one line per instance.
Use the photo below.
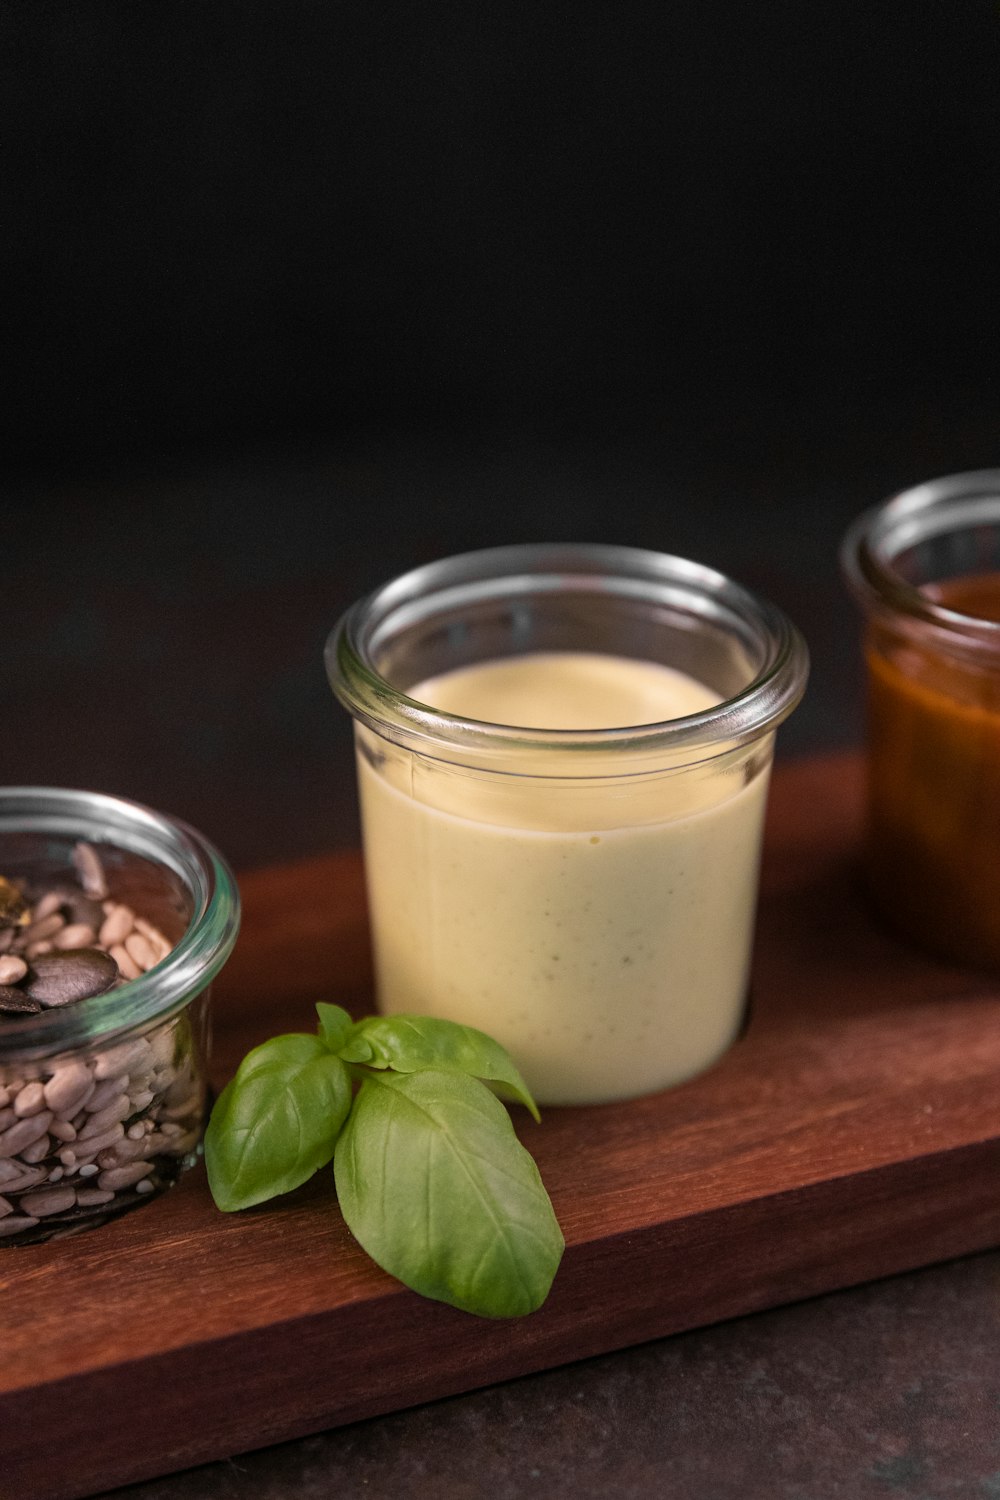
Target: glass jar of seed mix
(114, 920)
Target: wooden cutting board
(852, 1132)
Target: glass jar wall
(103, 1099)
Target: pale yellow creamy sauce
(600, 931)
(566, 690)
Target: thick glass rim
(190, 966)
(953, 503)
(517, 571)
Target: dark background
(298, 295)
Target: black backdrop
(262, 218)
(297, 295)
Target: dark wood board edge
(309, 1374)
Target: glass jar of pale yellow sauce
(925, 567)
(563, 755)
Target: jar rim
(952, 503)
(191, 965)
(517, 570)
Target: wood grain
(852, 1132)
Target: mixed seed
(69, 940)
(83, 1136)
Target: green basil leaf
(408, 1044)
(334, 1025)
(435, 1185)
(276, 1122)
(355, 1049)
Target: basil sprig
(430, 1176)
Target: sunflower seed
(12, 968)
(30, 1100)
(16, 1224)
(116, 926)
(140, 950)
(88, 1197)
(24, 1133)
(46, 928)
(67, 1087)
(48, 1201)
(76, 935)
(127, 1176)
(127, 965)
(90, 871)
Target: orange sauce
(934, 792)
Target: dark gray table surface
(889, 1390)
(163, 640)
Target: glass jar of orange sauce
(925, 567)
